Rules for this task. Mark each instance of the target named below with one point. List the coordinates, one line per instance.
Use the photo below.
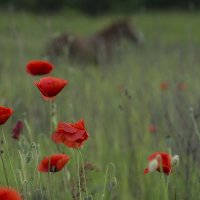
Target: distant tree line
(99, 6)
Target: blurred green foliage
(99, 6)
(117, 101)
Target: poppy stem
(4, 169)
(106, 178)
(84, 174)
(28, 129)
(49, 180)
(53, 120)
(51, 116)
(79, 178)
(166, 184)
(39, 174)
(49, 184)
(196, 128)
(9, 157)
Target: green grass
(118, 125)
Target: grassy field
(118, 103)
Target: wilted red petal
(72, 135)
(53, 163)
(39, 67)
(5, 113)
(9, 194)
(50, 86)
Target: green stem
(79, 179)
(4, 168)
(106, 177)
(29, 129)
(9, 157)
(84, 174)
(39, 174)
(49, 185)
(194, 123)
(53, 120)
(51, 116)
(165, 184)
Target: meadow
(118, 102)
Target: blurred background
(99, 7)
(133, 68)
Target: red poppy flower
(9, 194)
(50, 86)
(120, 88)
(182, 86)
(159, 161)
(5, 113)
(152, 128)
(164, 85)
(39, 67)
(72, 135)
(17, 130)
(53, 163)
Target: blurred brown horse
(100, 46)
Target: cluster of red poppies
(181, 86)
(72, 135)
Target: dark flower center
(53, 169)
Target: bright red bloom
(159, 161)
(39, 67)
(50, 86)
(72, 135)
(164, 85)
(5, 113)
(9, 194)
(152, 128)
(53, 163)
(17, 130)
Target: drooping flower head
(164, 85)
(53, 163)
(72, 135)
(5, 114)
(9, 194)
(39, 67)
(161, 162)
(17, 130)
(50, 86)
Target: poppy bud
(175, 161)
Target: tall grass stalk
(196, 128)
(106, 178)
(9, 157)
(28, 129)
(84, 174)
(4, 169)
(79, 178)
